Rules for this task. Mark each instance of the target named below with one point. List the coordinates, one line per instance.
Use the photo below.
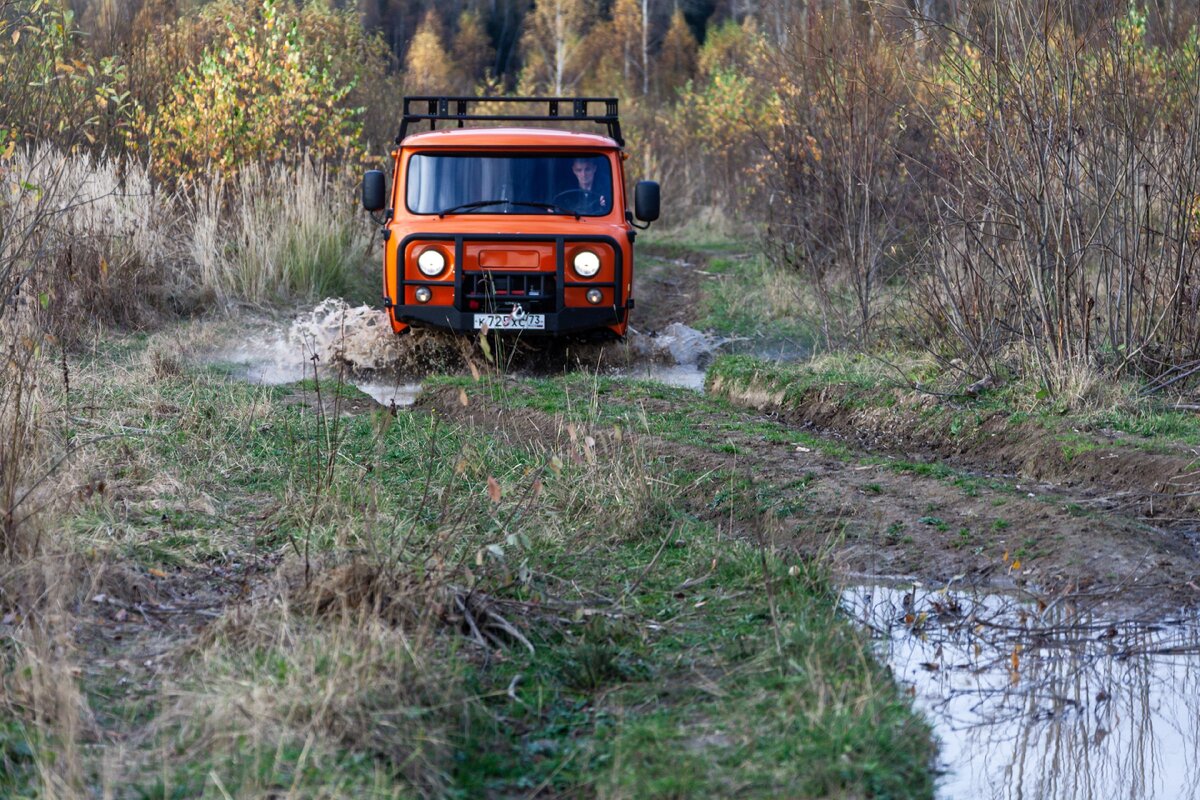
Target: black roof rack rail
(457, 109)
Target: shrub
(50, 87)
(1066, 214)
(274, 86)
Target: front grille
(498, 292)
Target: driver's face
(585, 173)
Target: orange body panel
(516, 254)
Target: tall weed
(101, 241)
(20, 440)
(271, 233)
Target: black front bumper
(573, 320)
(559, 318)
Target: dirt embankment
(1107, 467)
(874, 520)
(1080, 513)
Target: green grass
(658, 640)
(707, 685)
(865, 383)
(748, 298)
(17, 759)
(693, 237)
(1180, 426)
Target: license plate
(511, 322)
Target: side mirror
(374, 191)
(645, 201)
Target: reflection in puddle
(1050, 703)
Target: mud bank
(1109, 466)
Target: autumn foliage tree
(677, 58)
(472, 52)
(427, 70)
(264, 91)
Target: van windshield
(529, 183)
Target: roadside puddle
(1032, 701)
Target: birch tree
(551, 43)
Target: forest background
(1013, 186)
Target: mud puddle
(1035, 700)
(355, 344)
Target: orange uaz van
(509, 228)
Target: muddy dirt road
(875, 505)
(1041, 625)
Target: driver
(585, 199)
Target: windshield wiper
(465, 206)
(484, 203)
(547, 206)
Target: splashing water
(358, 341)
(333, 334)
(361, 337)
(678, 344)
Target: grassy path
(292, 592)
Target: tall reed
(273, 232)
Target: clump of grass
(276, 700)
(44, 708)
(272, 233)
(44, 716)
(96, 240)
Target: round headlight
(586, 263)
(431, 262)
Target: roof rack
(458, 109)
